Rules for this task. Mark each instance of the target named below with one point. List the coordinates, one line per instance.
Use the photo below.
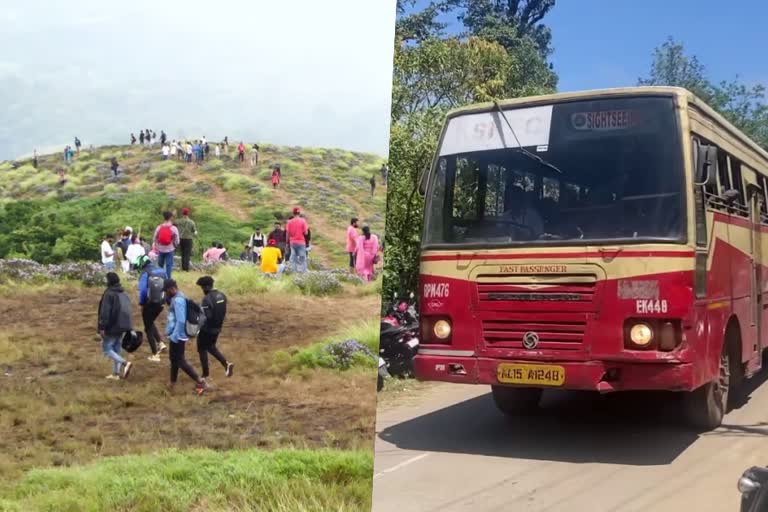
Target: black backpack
(132, 341)
(155, 285)
(195, 318)
(215, 306)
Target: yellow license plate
(535, 374)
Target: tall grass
(180, 481)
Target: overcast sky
(301, 72)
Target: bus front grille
(554, 331)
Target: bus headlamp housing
(436, 329)
(641, 334)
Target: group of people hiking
(168, 236)
(363, 249)
(148, 137)
(281, 246)
(185, 320)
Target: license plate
(536, 374)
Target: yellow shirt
(269, 257)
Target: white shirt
(216, 151)
(166, 150)
(133, 252)
(107, 254)
(204, 141)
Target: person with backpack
(114, 320)
(163, 137)
(114, 166)
(77, 145)
(166, 240)
(151, 299)
(257, 243)
(187, 232)
(135, 250)
(241, 152)
(183, 315)
(214, 306)
(141, 137)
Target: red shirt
(296, 228)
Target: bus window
(723, 176)
(738, 184)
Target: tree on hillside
(510, 22)
(745, 106)
(432, 74)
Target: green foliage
(176, 481)
(49, 231)
(745, 106)
(510, 23)
(432, 74)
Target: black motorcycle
(399, 338)
(753, 486)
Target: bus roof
(619, 91)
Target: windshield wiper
(520, 148)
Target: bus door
(755, 202)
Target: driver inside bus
(517, 211)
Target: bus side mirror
(706, 165)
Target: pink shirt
(296, 228)
(351, 237)
(213, 254)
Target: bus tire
(706, 406)
(514, 401)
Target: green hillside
(50, 222)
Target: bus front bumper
(602, 376)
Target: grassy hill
(51, 222)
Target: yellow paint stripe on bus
(718, 304)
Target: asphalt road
(449, 449)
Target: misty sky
(301, 72)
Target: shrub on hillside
(28, 271)
(317, 283)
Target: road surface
(448, 449)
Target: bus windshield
(612, 169)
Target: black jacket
(115, 311)
(214, 307)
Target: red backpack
(165, 235)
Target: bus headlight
(442, 329)
(641, 334)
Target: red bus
(603, 240)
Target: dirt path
(227, 202)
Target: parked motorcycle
(399, 340)
(753, 486)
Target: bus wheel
(516, 400)
(706, 406)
